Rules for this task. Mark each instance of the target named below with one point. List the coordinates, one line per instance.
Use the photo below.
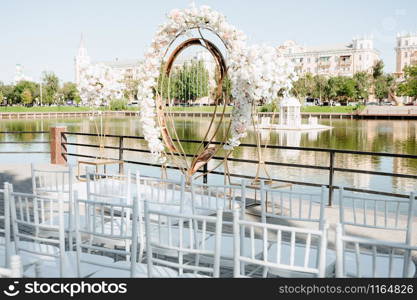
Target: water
(399, 136)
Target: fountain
(290, 118)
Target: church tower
(81, 60)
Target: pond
(395, 136)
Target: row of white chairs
(174, 224)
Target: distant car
(352, 103)
(386, 103)
(372, 103)
(310, 101)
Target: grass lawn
(318, 109)
(17, 109)
(329, 109)
(199, 108)
(43, 109)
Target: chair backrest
(15, 268)
(49, 182)
(185, 234)
(208, 198)
(363, 257)
(292, 205)
(163, 194)
(395, 214)
(31, 214)
(288, 254)
(105, 187)
(110, 221)
(5, 226)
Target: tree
(362, 85)
(378, 69)
(383, 85)
(346, 89)
(131, 89)
(320, 83)
(69, 91)
(26, 96)
(51, 85)
(7, 91)
(20, 87)
(186, 83)
(331, 88)
(304, 86)
(408, 87)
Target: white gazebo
(290, 113)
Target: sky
(44, 35)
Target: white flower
(257, 73)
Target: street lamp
(40, 91)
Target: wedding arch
(256, 74)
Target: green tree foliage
(50, 84)
(26, 96)
(378, 69)
(340, 88)
(131, 89)
(70, 92)
(362, 85)
(16, 95)
(408, 87)
(304, 86)
(383, 85)
(118, 104)
(186, 83)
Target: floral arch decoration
(256, 74)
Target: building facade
(334, 60)
(129, 68)
(406, 52)
(20, 75)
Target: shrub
(118, 104)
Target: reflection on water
(367, 135)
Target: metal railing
(24, 142)
(330, 168)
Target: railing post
(205, 168)
(58, 150)
(121, 169)
(331, 173)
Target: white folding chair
(5, 244)
(377, 214)
(164, 194)
(15, 268)
(298, 207)
(363, 257)
(281, 205)
(206, 199)
(51, 184)
(110, 220)
(117, 189)
(47, 182)
(109, 187)
(305, 256)
(387, 215)
(176, 233)
(42, 256)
